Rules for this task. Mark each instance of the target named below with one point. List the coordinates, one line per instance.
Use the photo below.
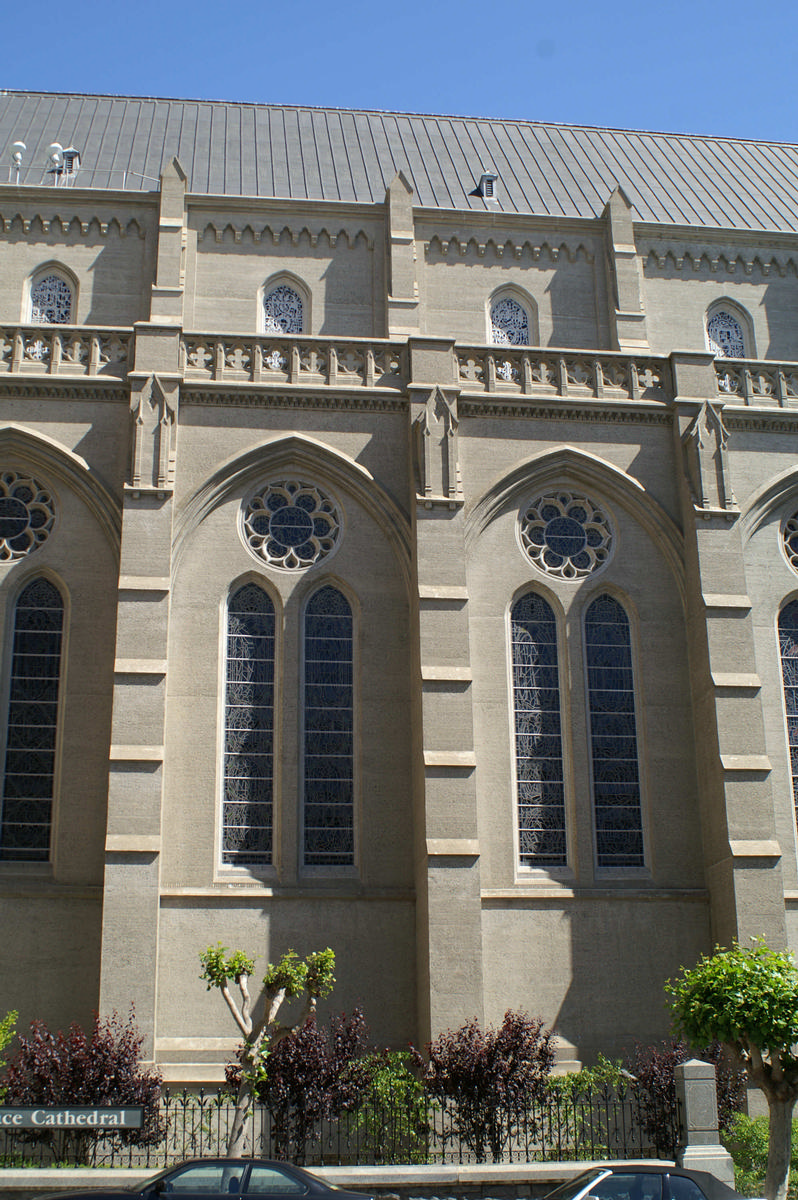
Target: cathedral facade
(398, 552)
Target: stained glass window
(613, 735)
(509, 323)
(788, 644)
(249, 729)
(283, 311)
(566, 535)
(29, 773)
(51, 301)
(725, 336)
(291, 524)
(328, 731)
(538, 734)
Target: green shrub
(746, 1139)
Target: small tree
(7, 1028)
(492, 1075)
(287, 979)
(102, 1067)
(747, 998)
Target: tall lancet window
(32, 726)
(247, 804)
(329, 833)
(788, 644)
(613, 735)
(538, 734)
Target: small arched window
(613, 735)
(725, 335)
(283, 310)
(788, 645)
(509, 322)
(51, 300)
(32, 724)
(247, 805)
(540, 782)
(328, 744)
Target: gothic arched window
(509, 322)
(328, 742)
(247, 804)
(538, 734)
(613, 735)
(725, 335)
(788, 645)
(51, 300)
(283, 310)
(32, 724)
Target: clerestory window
(32, 724)
(725, 335)
(509, 323)
(788, 646)
(247, 805)
(51, 300)
(283, 311)
(328, 735)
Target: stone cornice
(546, 251)
(242, 397)
(62, 223)
(719, 259)
(62, 387)
(256, 232)
(760, 421)
(608, 413)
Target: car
(214, 1178)
(654, 1181)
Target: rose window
(566, 535)
(26, 515)
(291, 524)
(789, 540)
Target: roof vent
(64, 164)
(17, 150)
(487, 185)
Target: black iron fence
(608, 1123)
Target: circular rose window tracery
(566, 535)
(789, 540)
(291, 524)
(27, 515)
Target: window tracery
(789, 541)
(328, 742)
(291, 524)
(247, 805)
(51, 300)
(566, 535)
(725, 335)
(27, 515)
(32, 724)
(788, 647)
(540, 783)
(509, 323)
(283, 311)
(613, 735)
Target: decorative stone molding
(435, 439)
(723, 261)
(545, 253)
(269, 358)
(39, 225)
(587, 413)
(64, 350)
(286, 234)
(154, 411)
(706, 460)
(757, 383)
(507, 369)
(259, 398)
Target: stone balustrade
(281, 360)
(65, 350)
(532, 372)
(757, 383)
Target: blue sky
(722, 67)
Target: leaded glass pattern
(613, 735)
(725, 336)
(291, 524)
(247, 806)
(509, 323)
(27, 515)
(329, 835)
(789, 540)
(566, 535)
(31, 731)
(788, 645)
(283, 311)
(51, 301)
(538, 734)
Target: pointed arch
(567, 466)
(51, 296)
(769, 499)
(729, 330)
(512, 318)
(298, 454)
(284, 305)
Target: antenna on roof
(17, 150)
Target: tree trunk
(237, 1141)
(779, 1147)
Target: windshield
(566, 1191)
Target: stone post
(699, 1142)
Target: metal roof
(351, 156)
